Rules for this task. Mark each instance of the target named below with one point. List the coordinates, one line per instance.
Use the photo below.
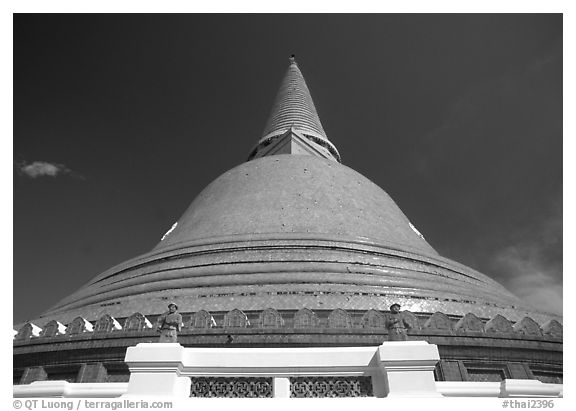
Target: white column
(281, 387)
(155, 370)
(408, 368)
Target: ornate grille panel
(117, 377)
(486, 375)
(71, 376)
(240, 387)
(321, 387)
(549, 378)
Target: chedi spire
(294, 126)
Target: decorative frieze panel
(438, 321)
(339, 319)
(322, 387)
(306, 318)
(411, 319)
(270, 318)
(302, 319)
(53, 328)
(528, 326)
(237, 387)
(469, 323)
(27, 331)
(136, 322)
(552, 329)
(202, 319)
(78, 326)
(106, 324)
(499, 324)
(236, 318)
(373, 319)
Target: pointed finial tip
(292, 59)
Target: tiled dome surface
(292, 195)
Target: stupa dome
(295, 223)
(283, 196)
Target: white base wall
(399, 369)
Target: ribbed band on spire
(294, 117)
(294, 107)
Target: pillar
(408, 369)
(93, 373)
(32, 374)
(281, 387)
(155, 370)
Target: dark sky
(121, 120)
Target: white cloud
(42, 168)
(530, 278)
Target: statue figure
(169, 324)
(396, 324)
